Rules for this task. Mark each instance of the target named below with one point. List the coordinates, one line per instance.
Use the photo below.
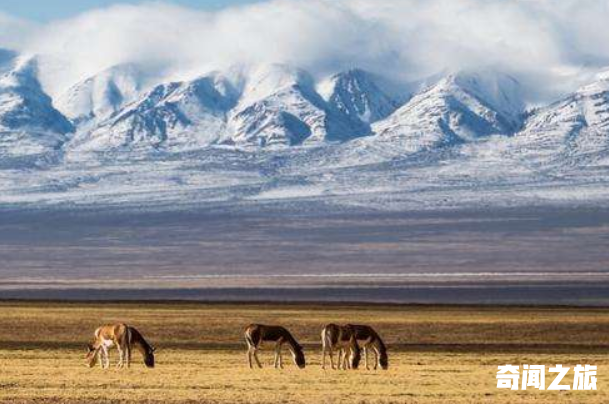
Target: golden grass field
(437, 354)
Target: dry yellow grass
(447, 355)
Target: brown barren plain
(437, 354)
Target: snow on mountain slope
(268, 105)
(461, 107)
(28, 122)
(178, 116)
(174, 144)
(280, 106)
(24, 105)
(576, 127)
(356, 94)
(98, 97)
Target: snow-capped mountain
(268, 105)
(461, 107)
(275, 131)
(577, 126)
(100, 96)
(24, 105)
(280, 106)
(29, 124)
(356, 94)
(180, 115)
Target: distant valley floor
(541, 255)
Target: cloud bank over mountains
(395, 104)
(551, 46)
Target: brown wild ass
(367, 337)
(124, 338)
(342, 338)
(257, 335)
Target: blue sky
(45, 10)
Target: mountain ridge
(274, 131)
(278, 105)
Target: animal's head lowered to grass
(149, 357)
(299, 357)
(91, 355)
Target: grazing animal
(342, 338)
(257, 334)
(368, 338)
(124, 338)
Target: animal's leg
(249, 352)
(249, 357)
(128, 356)
(121, 356)
(106, 357)
(377, 356)
(366, 357)
(256, 357)
(278, 359)
(332, 358)
(128, 341)
(340, 359)
(323, 357)
(348, 357)
(100, 357)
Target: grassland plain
(437, 354)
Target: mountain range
(276, 132)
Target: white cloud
(14, 32)
(551, 45)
